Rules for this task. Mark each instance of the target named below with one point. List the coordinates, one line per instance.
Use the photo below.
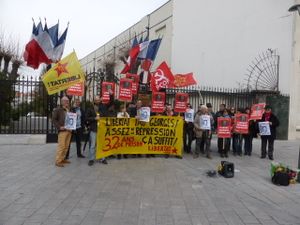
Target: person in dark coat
(78, 133)
(248, 138)
(268, 116)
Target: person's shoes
(249, 154)
(222, 155)
(178, 157)
(66, 161)
(208, 156)
(59, 165)
(119, 157)
(152, 155)
(263, 157)
(125, 156)
(103, 161)
(91, 162)
(240, 154)
(271, 157)
(81, 156)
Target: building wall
(218, 39)
(294, 117)
(160, 23)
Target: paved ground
(143, 191)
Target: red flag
(125, 93)
(181, 100)
(257, 111)
(133, 53)
(135, 82)
(241, 123)
(162, 77)
(158, 102)
(183, 80)
(76, 90)
(106, 86)
(224, 127)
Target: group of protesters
(191, 130)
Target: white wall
(218, 39)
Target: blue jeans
(92, 145)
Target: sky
(92, 22)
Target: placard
(125, 93)
(241, 123)
(105, 89)
(181, 100)
(158, 102)
(257, 111)
(189, 115)
(135, 82)
(264, 128)
(76, 90)
(70, 121)
(224, 127)
(144, 114)
(205, 122)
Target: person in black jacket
(248, 138)
(78, 133)
(274, 123)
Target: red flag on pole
(162, 77)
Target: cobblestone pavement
(142, 191)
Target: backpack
(281, 178)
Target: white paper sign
(70, 121)
(205, 122)
(145, 114)
(264, 128)
(189, 115)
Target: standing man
(268, 116)
(188, 129)
(64, 135)
(78, 133)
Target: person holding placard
(64, 135)
(224, 143)
(248, 138)
(202, 129)
(270, 136)
(188, 128)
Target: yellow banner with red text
(161, 135)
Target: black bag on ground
(226, 169)
(281, 178)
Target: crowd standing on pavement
(239, 143)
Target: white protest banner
(205, 122)
(264, 128)
(144, 114)
(70, 121)
(189, 115)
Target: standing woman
(248, 138)
(268, 116)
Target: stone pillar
(294, 118)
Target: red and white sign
(241, 123)
(135, 82)
(76, 90)
(181, 100)
(105, 89)
(125, 93)
(257, 111)
(224, 127)
(158, 102)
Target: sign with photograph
(125, 93)
(158, 102)
(264, 128)
(135, 82)
(257, 111)
(205, 122)
(224, 127)
(105, 89)
(241, 123)
(181, 100)
(70, 121)
(189, 115)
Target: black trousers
(264, 141)
(78, 135)
(188, 134)
(248, 143)
(223, 145)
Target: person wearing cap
(64, 135)
(268, 116)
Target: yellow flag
(64, 74)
